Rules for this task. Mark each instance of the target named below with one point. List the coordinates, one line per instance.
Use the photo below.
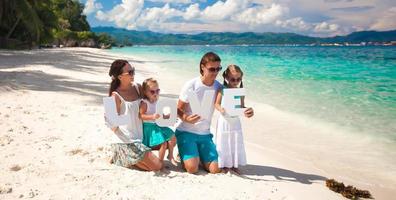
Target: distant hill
(365, 36)
(124, 36)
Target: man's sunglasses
(214, 69)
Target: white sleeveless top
(151, 109)
(133, 131)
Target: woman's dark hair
(116, 70)
(145, 86)
(227, 72)
(208, 57)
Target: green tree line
(31, 23)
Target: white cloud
(223, 10)
(172, 1)
(124, 14)
(316, 18)
(261, 15)
(91, 6)
(387, 21)
(295, 24)
(155, 16)
(325, 27)
(192, 12)
(314, 29)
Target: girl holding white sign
(155, 136)
(128, 149)
(229, 138)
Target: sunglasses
(214, 69)
(157, 91)
(235, 79)
(130, 72)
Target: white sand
(53, 137)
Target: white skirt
(229, 142)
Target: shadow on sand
(72, 59)
(265, 173)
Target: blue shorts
(192, 145)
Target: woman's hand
(109, 125)
(192, 119)
(156, 116)
(249, 112)
(222, 110)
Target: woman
(128, 150)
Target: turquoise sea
(351, 87)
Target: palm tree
(14, 12)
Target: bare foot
(174, 162)
(236, 170)
(224, 170)
(178, 158)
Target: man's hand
(192, 119)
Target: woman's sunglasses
(157, 91)
(235, 79)
(130, 72)
(214, 69)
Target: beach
(53, 141)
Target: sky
(321, 18)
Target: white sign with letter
(168, 111)
(111, 113)
(230, 102)
(204, 107)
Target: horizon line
(244, 32)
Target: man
(194, 139)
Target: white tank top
(133, 131)
(151, 109)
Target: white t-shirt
(202, 127)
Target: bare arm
(218, 102)
(181, 106)
(118, 102)
(249, 111)
(118, 108)
(143, 115)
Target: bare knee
(191, 169)
(170, 144)
(191, 165)
(152, 162)
(172, 141)
(158, 166)
(213, 170)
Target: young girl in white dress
(229, 137)
(154, 136)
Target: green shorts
(193, 145)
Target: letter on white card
(229, 101)
(202, 108)
(166, 107)
(111, 113)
